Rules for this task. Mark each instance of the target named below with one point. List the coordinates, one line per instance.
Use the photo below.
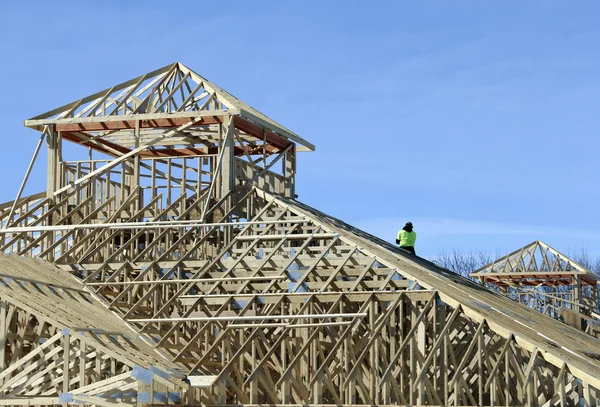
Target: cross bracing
(227, 303)
(545, 279)
(60, 343)
(160, 98)
(533, 264)
(186, 232)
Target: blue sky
(477, 121)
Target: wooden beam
(191, 152)
(144, 124)
(109, 148)
(260, 133)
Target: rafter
(183, 256)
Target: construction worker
(407, 237)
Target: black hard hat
(408, 224)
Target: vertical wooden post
(136, 167)
(577, 294)
(254, 382)
(98, 366)
(480, 378)
(53, 180)
(596, 292)
(412, 357)
(227, 171)
(227, 164)
(286, 394)
(507, 394)
(222, 385)
(349, 347)
(375, 393)
(444, 355)
(421, 334)
(51, 142)
(589, 395)
(82, 362)
(562, 391)
(346, 366)
(577, 299)
(59, 161)
(152, 388)
(66, 362)
(289, 173)
(199, 176)
(153, 180)
(169, 170)
(183, 177)
(402, 311)
(3, 331)
(123, 183)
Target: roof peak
(533, 261)
(173, 89)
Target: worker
(407, 237)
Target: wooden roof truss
(543, 278)
(60, 344)
(293, 289)
(533, 264)
(181, 255)
(164, 97)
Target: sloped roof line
(530, 250)
(100, 94)
(65, 311)
(504, 316)
(247, 111)
(158, 76)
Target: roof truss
(186, 255)
(157, 99)
(293, 278)
(60, 344)
(535, 262)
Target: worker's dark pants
(409, 248)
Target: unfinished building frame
(541, 277)
(177, 267)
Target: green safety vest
(407, 238)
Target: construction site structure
(168, 262)
(541, 277)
